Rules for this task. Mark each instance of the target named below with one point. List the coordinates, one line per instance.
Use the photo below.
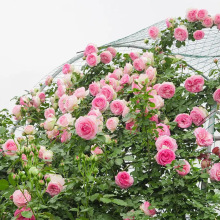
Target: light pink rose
(9, 147)
(90, 48)
(112, 123)
(181, 33)
(24, 157)
(128, 68)
(114, 83)
(106, 57)
(139, 64)
(158, 101)
(163, 131)
(136, 85)
(108, 92)
(216, 96)
(47, 155)
(183, 170)
(53, 134)
(21, 198)
(65, 136)
(124, 180)
(96, 113)
(100, 102)
(56, 184)
(214, 172)
(49, 123)
(125, 79)
(154, 118)
(49, 112)
(61, 90)
(36, 101)
(198, 115)
(86, 127)
(166, 90)
(117, 107)
(113, 75)
(151, 73)
(207, 22)
(134, 55)
(198, 35)
(18, 215)
(144, 208)
(16, 111)
(71, 103)
(168, 22)
(96, 150)
(41, 152)
(217, 19)
(48, 80)
(94, 88)
(92, 59)
(60, 82)
(154, 32)
(67, 68)
(118, 72)
(67, 80)
(112, 51)
(24, 100)
(81, 92)
(156, 87)
(166, 141)
(203, 137)
(42, 96)
(29, 129)
(183, 120)
(194, 83)
(191, 15)
(165, 156)
(202, 14)
(65, 120)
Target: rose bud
(216, 150)
(205, 163)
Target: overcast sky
(37, 36)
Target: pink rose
(117, 107)
(61, 90)
(65, 120)
(92, 59)
(24, 157)
(183, 120)
(108, 92)
(198, 115)
(96, 113)
(67, 68)
(207, 22)
(112, 124)
(144, 208)
(118, 72)
(48, 80)
(198, 35)
(29, 129)
(158, 101)
(49, 112)
(129, 125)
(24, 100)
(94, 88)
(151, 73)
(214, 172)
(113, 75)
(134, 55)
(203, 137)
(16, 111)
(112, 51)
(183, 170)
(49, 123)
(194, 83)
(166, 141)
(154, 118)
(166, 90)
(128, 68)
(91, 48)
(56, 184)
(36, 101)
(100, 102)
(124, 180)
(62, 102)
(216, 96)
(191, 15)
(106, 57)
(71, 103)
(164, 130)
(139, 64)
(202, 14)
(165, 156)
(65, 136)
(125, 79)
(181, 33)
(96, 150)
(156, 87)
(217, 19)
(42, 96)
(47, 155)
(18, 215)
(41, 152)
(81, 92)
(86, 127)
(9, 147)
(21, 198)
(154, 32)
(168, 22)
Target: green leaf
(129, 158)
(3, 184)
(27, 214)
(2, 130)
(94, 197)
(118, 161)
(105, 200)
(204, 175)
(119, 202)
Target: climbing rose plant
(121, 138)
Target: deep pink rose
(183, 120)
(100, 102)
(129, 125)
(216, 96)
(117, 107)
(18, 215)
(163, 131)
(139, 64)
(112, 124)
(49, 112)
(183, 170)
(154, 118)
(217, 19)
(165, 156)
(194, 83)
(112, 50)
(94, 88)
(207, 22)
(21, 198)
(198, 115)
(134, 55)
(202, 14)
(166, 90)
(108, 92)
(90, 48)
(181, 33)
(92, 59)
(154, 32)
(67, 68)
(124, 180)
(144, 208)
(9, 147)
(203, 137)
(191, 15)
(106, 57)
(166, 141)
(198, 35)
(214, 172)
(86, 127)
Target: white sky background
(37, 36)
